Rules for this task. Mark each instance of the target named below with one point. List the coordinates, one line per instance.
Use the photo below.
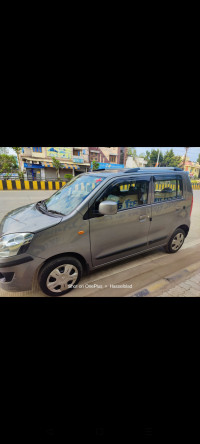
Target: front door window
(127, 194)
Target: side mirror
(108, 207)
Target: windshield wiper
(41, 206)
(42, 203)
(55, 212)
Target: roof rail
(165, 168)
(98, 169)
(132, 170)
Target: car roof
(137, 171)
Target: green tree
(57, 165)
(95, 165)
(17, 149)
(147, 156)
(8, 164)
(170, 160)
(198, 160)
(152, 157)
(132, 152)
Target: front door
(125, 233)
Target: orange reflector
(81, 232)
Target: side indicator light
(81, 232)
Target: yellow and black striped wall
(196, 186)
(21, 184)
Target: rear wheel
(60, 275)
(176, 241)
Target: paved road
(187, 288)
(10, 200)
(131, 274)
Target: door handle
(143, 218)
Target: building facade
(193, 168)
(104, 154)
(107, 155)
(138, 162)
(37, 162)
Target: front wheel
(176, 241)
(60, 275)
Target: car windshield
(73, 193)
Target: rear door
(168, 207)
(125, 233)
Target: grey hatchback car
(95, 219)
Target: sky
(193, 152)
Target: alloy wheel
(62, 278)
(177, 241)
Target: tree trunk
(19, 167)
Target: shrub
(68, 177)
(95, 165)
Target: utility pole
(157, 163)
(186, 151)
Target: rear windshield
(73, 193)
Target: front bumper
(17, 272)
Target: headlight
(13, 244)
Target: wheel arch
(184, 228)
(82, 260)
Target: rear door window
(166, 189)
(179, 188)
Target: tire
(176, 241)
(55, 276)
